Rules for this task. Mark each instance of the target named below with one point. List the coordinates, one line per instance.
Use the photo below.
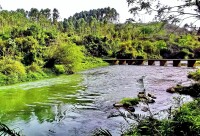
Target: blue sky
(69, 7)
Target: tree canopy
(179, 11)
(37, 42)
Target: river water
(78, 104)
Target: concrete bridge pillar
(163, 62)
(151, 62)
(112, 62)
(139, 62)
(122, 62)
(191, 63)
(115, 62)
(176, 63)
(130, 62)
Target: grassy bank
(12, 72)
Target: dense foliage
(36, 44)
(182, 122)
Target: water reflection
(23, 101)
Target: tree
(34, 14)
(46, 13)
(22, 11)
(55, 15)
(185, 9)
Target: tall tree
(55, 15)
(34, 14)
(22, 11)
(46, 13)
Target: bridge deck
(154, 59)
(163, 62)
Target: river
(76, 105)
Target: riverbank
(18, 74)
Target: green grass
(130, 101)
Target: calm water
(76, 105)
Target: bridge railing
(163, 62)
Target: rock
(151, 95)
(142, 96)
(142, 92)
(131, 108)
(150, 100)
(125, 105)
(171, 90)
(143, 100)
(145, 109)
(118, 105)
(113, 114)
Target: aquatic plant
(130, 101)
(4, 130)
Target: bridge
(163, 62)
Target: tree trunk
(198, 32)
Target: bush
(68, 54)
(184, 122)
(195, 75)
(11, 71)
(3, 79)
(31, 76)
(34, 68)
(12, 67)
(187, 120)
(59, 69)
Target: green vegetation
(35, 44)
(183, 122)
(195, 75)
(130, 101)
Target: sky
(69, 7)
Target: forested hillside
(36, 44)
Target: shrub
(11, 71)
(59, 69)
(149, 47)
(161, 44)
(2, 79)
(187, 120)
(195, 75)
(184, 122)
(35, 76)
(11, 67)
(34, 68)
(69, 54)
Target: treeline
(35, 44)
